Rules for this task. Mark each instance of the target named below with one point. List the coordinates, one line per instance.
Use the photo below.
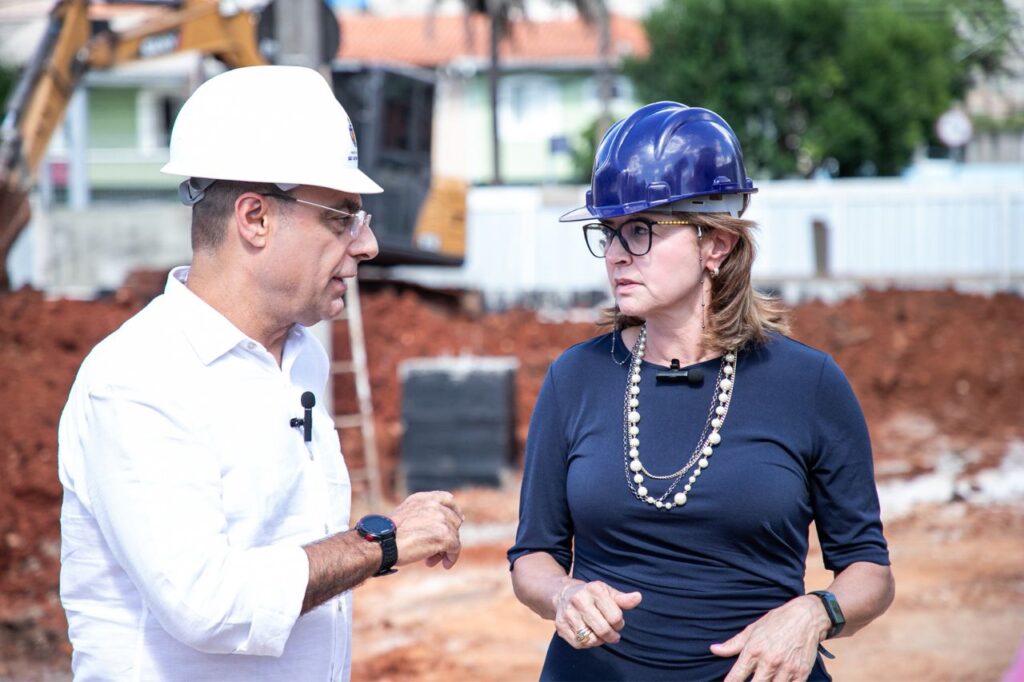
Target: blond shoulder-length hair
(738, 314)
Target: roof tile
(422, 41)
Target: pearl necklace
(709, 437)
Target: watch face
(376, 526)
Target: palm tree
(596, 12)
(501, 14)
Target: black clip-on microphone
(674, 375)
(308, 401)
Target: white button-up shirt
(188, 497)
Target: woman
(674, 546)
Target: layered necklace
(709, 438)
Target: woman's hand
(590, 614)
(781, 646)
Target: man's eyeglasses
(353, 222)
(634, 235)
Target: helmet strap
(192, 190)
(733, 204)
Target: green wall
(112, 118)
(113, 131)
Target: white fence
(923, 232)
(886, 231)
(79, 253)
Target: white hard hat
(273, 124)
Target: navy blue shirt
(794, 450)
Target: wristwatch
(380, 529)
(835, 614)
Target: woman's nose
(617, 252)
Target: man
(205, 521)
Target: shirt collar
(210, 333)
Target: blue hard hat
(664, 156)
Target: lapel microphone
(675, 375)
(308, 401)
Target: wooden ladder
(369, 474)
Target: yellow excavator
(431, 230)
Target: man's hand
(590, 614)
(427, 527)
(781, 646)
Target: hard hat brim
(617, 211)
(351, 180)
(581, 213)
(604, 213)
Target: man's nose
(364, 247)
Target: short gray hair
(210, 215)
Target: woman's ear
(252, 219)
(718, 244)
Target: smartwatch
(835, 614)
(380, 529)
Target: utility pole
(493, 80)
(605, 77)
(298, 42)
(77, 127)
(299, 35)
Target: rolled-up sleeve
(545, 522)
(843, 492)
(155, 489)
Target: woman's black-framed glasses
(635, 235)
(353, 222)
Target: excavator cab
(421, 219)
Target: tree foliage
(583, 151)
(850, 87)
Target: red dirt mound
(934, 370)
(42, 343)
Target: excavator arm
(70, 47)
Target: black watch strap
(835, 614)
(389, 548)
(381, 530)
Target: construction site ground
(940, 376)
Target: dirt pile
(401, 325)
(42, 343)
(936, 371)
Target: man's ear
(720, 244)
(252, 219)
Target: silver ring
(583, 634)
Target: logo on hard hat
(354, 154)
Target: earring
(714, 273)
(700, 260)
(702, 271)
(702, 304)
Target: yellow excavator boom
(70, 47)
